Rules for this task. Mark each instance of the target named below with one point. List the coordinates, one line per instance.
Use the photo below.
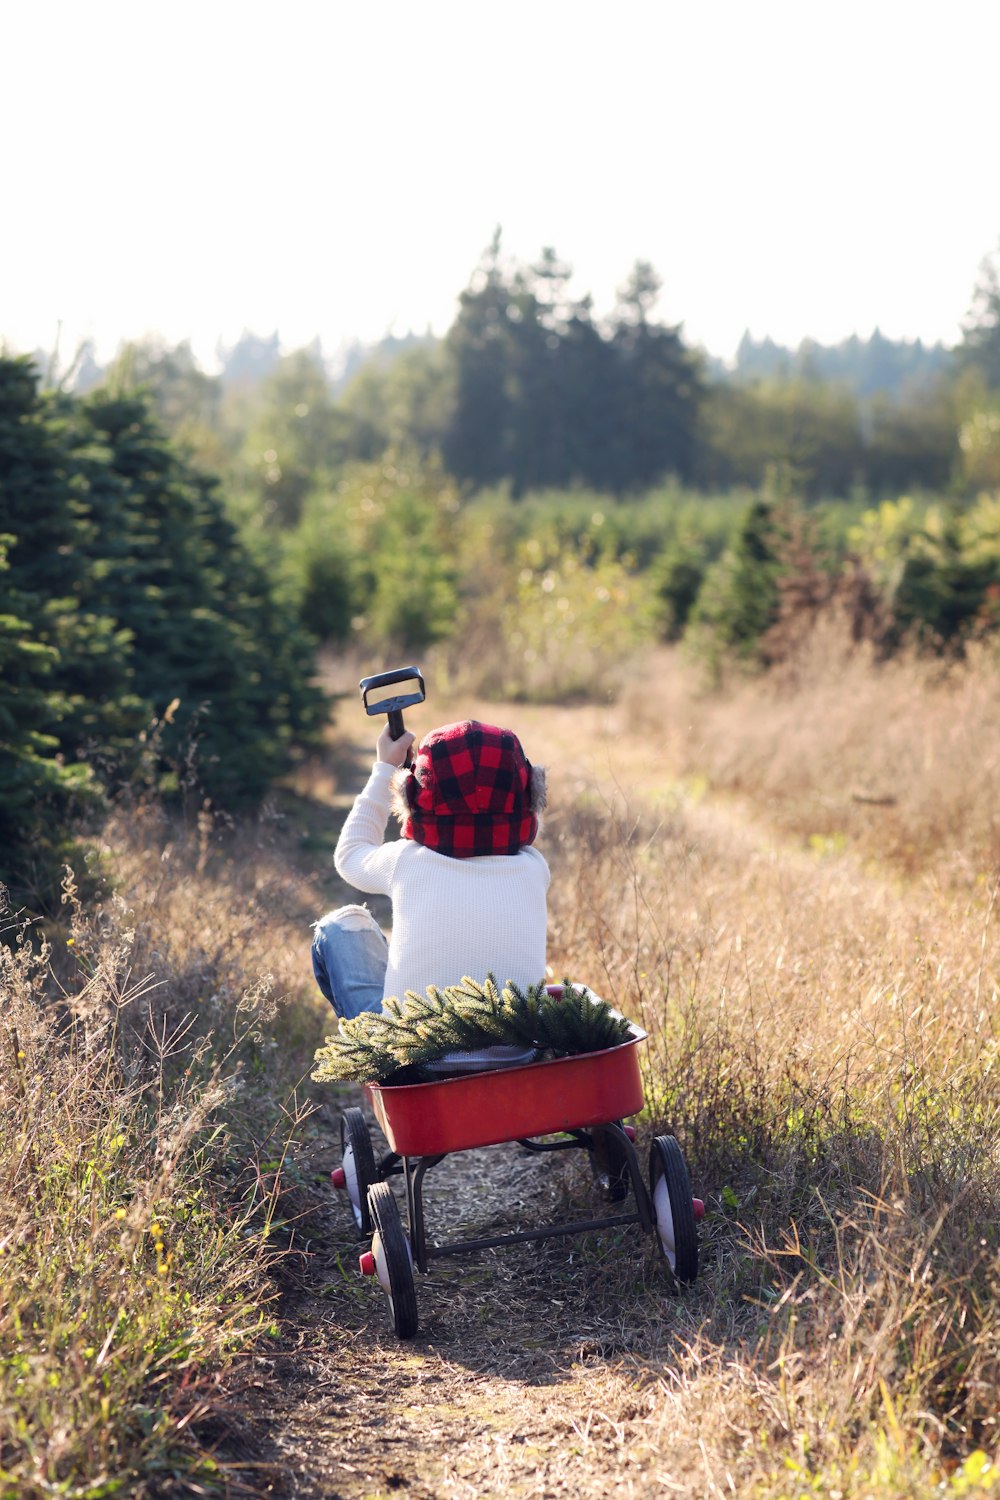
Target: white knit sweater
(451, 917)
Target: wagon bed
(510, 1104)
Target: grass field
(793, 886)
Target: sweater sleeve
(361, 858)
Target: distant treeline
(869, 368)
(530, 388)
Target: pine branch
(465, 1017)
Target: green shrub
(569, 622)
(374, 557)
(677, 576)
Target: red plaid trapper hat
(469, 792)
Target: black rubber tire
(610, 1164)
(666, 1160)
(355, 1135)
(388, 1225)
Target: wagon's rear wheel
(358, 1162)
(393, 1261)
(673, 1207)
(610, 1164)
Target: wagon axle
(667, 1207)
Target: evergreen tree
(39, 793)
(45, 511)
(655, 390)
(943, 585)
(124, 587)
(980, 347)
(739, 598)
(204, 625)
(678, 573)
(250, 358)
(41, 526)
(478, 346)
(186, 401)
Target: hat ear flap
(400, 794)
(538, 789)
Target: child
(467, 889)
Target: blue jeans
(349, 955)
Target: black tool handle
(396, 726)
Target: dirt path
(538, 1370)
(535, 1370)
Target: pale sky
(336, 169)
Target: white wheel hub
(351, 1181)
(382, 1265)
(665, 1221)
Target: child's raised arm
(361, 858)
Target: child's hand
(392, 751)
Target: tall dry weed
(148, 1083)
(899, 760)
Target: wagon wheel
(358, 1162)
(393, 1261)
(610, 1164)
(673, 1207)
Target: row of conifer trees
(138, 638)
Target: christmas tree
(464, 1017)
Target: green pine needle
(424, 1028)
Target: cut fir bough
(421, 1029)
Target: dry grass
(819, 976)
(142, 1137)
(825, 1046)
(899, 761)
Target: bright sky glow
(336, 167)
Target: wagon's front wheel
(673, 1207)
(393, 1261)
(357, 1160)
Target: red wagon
(569, 1102)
